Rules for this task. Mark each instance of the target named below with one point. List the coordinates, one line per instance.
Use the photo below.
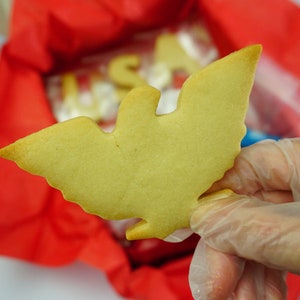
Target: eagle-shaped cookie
(150, 167)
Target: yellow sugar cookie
(150, 167)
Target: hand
(250, 237)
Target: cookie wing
(150, 167)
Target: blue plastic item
(254, 136)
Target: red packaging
(36, 224)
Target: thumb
(250, 228)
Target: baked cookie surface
(150, 167)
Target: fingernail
(207, 203)
(215, 196)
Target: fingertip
(213, 274)
(207, 203)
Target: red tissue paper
(36, 223)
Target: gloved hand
(251, 236)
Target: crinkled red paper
(36, 224)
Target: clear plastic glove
(251, 237)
